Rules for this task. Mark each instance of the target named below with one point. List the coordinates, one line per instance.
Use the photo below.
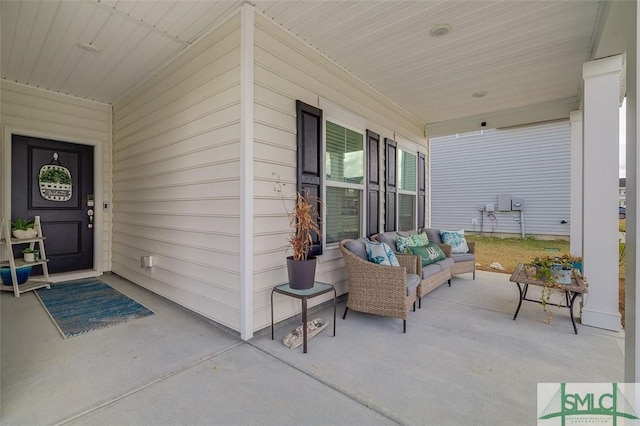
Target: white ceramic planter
(25, 233)
(29, 257)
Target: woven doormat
(82, 306)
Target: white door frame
(8, 132)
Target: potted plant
(303, 224)
(556, 272)
(22, 274)
(31, 255)
(23, 228)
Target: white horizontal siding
(531, 162)
(176, 179)
(287, 70)
(45, 114)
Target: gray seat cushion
(465, 257)
(412, 283)
(358, 247)
(433, 234)
(430, 270)
(445, 263)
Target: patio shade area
(463, 360)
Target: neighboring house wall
(176, 179)
(531, 162)
(622, 192)
(286, 69)
(40, 113)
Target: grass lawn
(511, 251)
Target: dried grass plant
(303, 221)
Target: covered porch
(463, 361)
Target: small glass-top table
(317, 289)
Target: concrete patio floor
(462, 361)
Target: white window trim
(402, 147)
(331, 108)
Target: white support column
(632, 266)
(246, 171)
(575, 220)
(600, 199)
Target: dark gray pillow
(358, 247)
(433, 234)
(389, 238)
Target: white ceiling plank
(125, 6)
(42, 73)
(26, 18)
(176, 13)
(215, 15)
(136, 63)
(111, 36)
(277, 8)
(44, 21)
(128, 37)
(143, 8)
(190, 22)
(9, 11)
(59, 66)
(518, 51)
(158, 12)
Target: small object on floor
(294, 339)
(496, 265)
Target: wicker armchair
(379, 289)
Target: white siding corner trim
(246, 171)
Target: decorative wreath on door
(55, 181)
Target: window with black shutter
(309, 159)
(373, 183)
(390, 185)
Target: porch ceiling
(521, 53)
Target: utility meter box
(504, 202)
(517, 204)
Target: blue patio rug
(81, 306)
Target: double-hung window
(344, 183)
(407, 190)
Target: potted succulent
(303, 224)
(23, 228)
(31, 255)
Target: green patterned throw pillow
(413, 240)
(430, 253)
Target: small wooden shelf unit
(8, 242)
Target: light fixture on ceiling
(440, 30)
(481, 94)
(89, 47)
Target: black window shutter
(373, 183)
(309, 170)
(390, 187)
(422, 199)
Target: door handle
(90, 214)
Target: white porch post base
(606, 320)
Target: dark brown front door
(64, 207)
